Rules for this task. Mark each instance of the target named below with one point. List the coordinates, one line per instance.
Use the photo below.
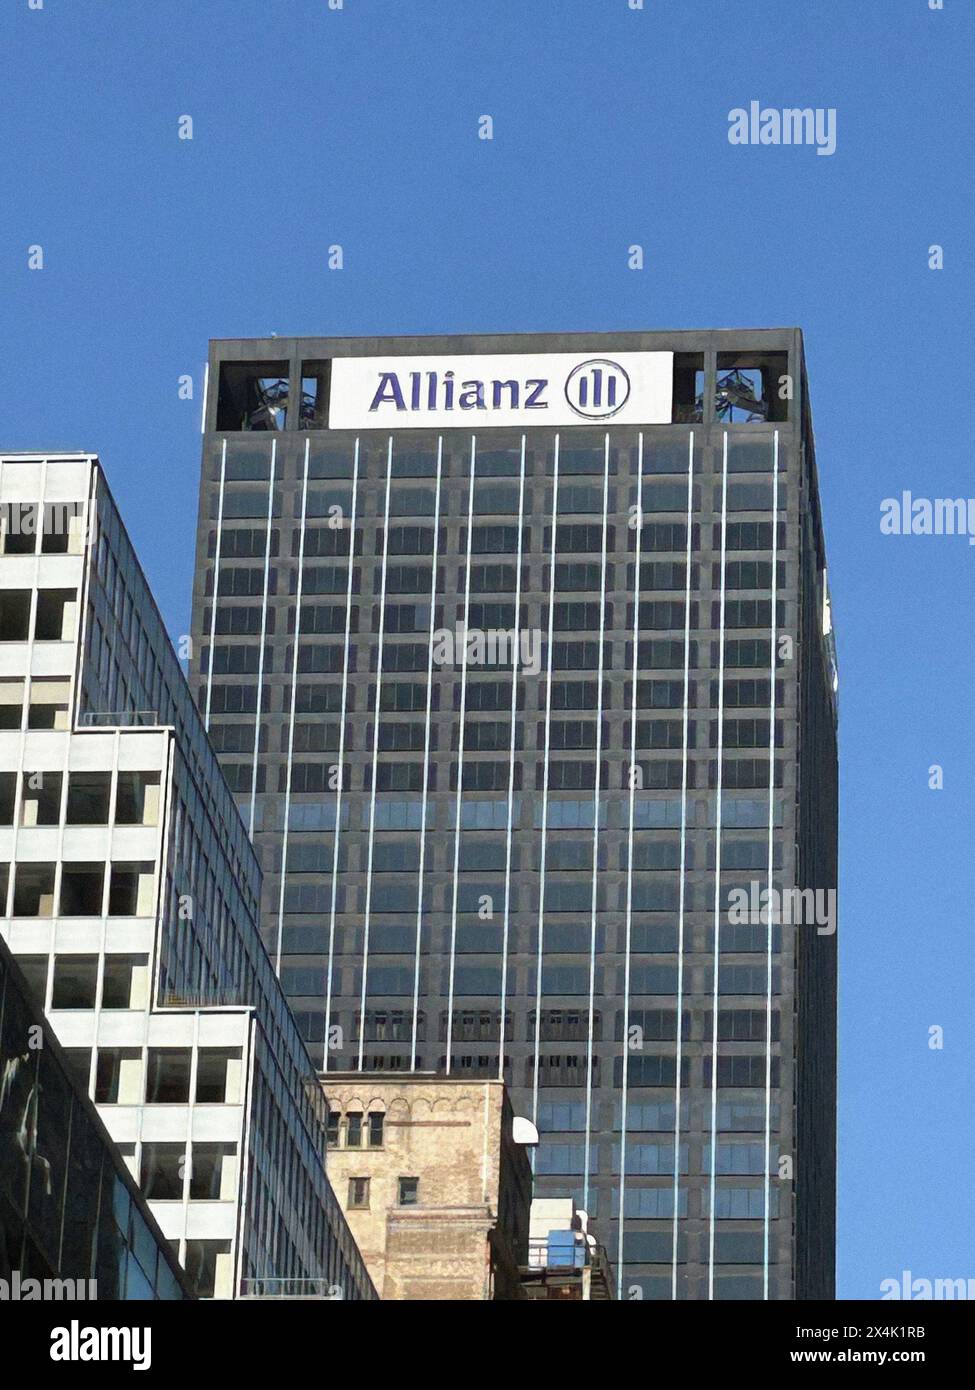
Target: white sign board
(521, 390)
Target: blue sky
(359, 127)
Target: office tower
(70, 1210)
(131, 898)
(517, 654)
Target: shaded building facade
(70, 1210)
(517, 654)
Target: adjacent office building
(517, 655)
(131, 897)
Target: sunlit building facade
(131, 899)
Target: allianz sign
(498, 390)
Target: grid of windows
(562, 824)
(125, 835)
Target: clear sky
(358, 127)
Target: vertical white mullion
(375, 755)
(682, 888)
(291, 712)
(260, 657)
(628, 929)
(771, 858)
(516, 650)
(597, 791)
(426, 756)
(90, 560)
(548, 730)
(339, 786)
(717, 874)
(216, 585)
(460, 764)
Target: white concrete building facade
(130, 897)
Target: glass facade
(69, 1209)
(524, 724)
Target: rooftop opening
(688, 398)
(314, 395)
(751, 387)
(253, 396)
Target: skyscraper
(517, 654)
(131, 898)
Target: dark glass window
(75, 982)
(161, 1176)
(168, 1076)
(89, 794)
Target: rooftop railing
(121, 718)
(291, 1288)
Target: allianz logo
(596, 389)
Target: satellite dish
(523, 1131)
